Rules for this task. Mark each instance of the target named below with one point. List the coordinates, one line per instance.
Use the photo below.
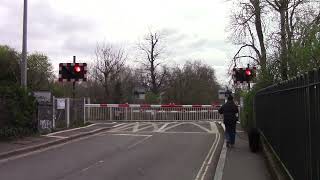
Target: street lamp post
(24, 46)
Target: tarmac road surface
(129, 151)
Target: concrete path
(241, 163)
(129, 151)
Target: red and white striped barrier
(149, 106)
(146, 112)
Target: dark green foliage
(40, 72)
(247, 112)
(152, 98)
(19, 108)
(306, 51)
(9, 64)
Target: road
(129, 151)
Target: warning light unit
(71, 72)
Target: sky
(193, 29)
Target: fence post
(111, 112)
(53, 113)
(126, 111)
(309, 148)
(84, 111)
(68, 112)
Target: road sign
(42, 97)
(61, 103)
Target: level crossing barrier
(144, 112)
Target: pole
(248, 81)
(24, 46)
(74, 82)
(74, 113)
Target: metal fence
(288, 116)
(68, 112)
(135, 112)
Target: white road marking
(162, 127)
(95, 164)
(201, 127)
(220, 166)
(147, 127)
(195, 124)
(125, 126)
(59, 137)
(176, 132)
(139, 142)
(85, 169)
(117, 125)
(206, 159)
(106, 123)
(213, 127)
(170, 127)
(210, 160)
(155, 126)
(143, 135)
(135, 127)
(223, 126)
(68, 130)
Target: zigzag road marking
(161, 129)
(125, 126)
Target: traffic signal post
(249, 75)
(241, 75)
(72, 72)
(76, 68)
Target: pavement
(127, 151)
(241, 164)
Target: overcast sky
(195, 29)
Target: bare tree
(275, 19)
(152, 49)
(286, 10)
(247, 28)
(108, 64)
(194, 83)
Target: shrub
(20, 110)
(247, 112)
(152, 98)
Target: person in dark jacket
(230, 111)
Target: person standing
(230, 111)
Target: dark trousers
(230, 133)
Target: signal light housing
(244, 75)
(77, 69)
(72, 72)
(248, 72)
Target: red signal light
(248, 72)
(77, 69)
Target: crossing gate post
(111, 112)
(68, 112)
